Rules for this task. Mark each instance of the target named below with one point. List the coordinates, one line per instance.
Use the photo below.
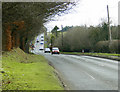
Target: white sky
(89, 12)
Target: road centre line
(89, 75)
(101, 64)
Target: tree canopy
(91, 39)
(27, 18)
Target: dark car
(55, 50)
(42, 36)
(37, 41)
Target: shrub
(103, 46)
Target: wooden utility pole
(62, 37)
(110, 38)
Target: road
(85, 72)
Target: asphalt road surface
(85, 72)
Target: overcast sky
(87, 12)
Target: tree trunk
(8, 38)
(17, 41)
(13, 39)
(22, 43)
(27, 47)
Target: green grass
(107, 55)
(104, 54)
(27, 72)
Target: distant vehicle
(41, 48)
(37, 41)
(55, 50)
(42, 40)
(47, 50)
(42, 36)
(41, 43)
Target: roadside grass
(21, 71)
(0, 74)
(106, 55)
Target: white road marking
(101, 64)
(89, 75)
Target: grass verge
(103, 55)
(21, 71)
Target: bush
(103, 46)
(114, 46)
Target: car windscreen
(55, 49)
(47, 49)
